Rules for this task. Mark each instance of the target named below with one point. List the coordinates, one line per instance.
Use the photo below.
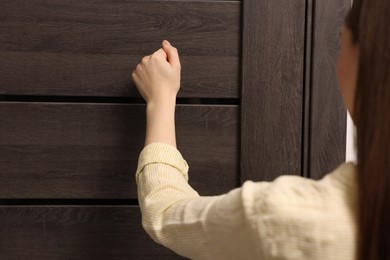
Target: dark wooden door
(258, 99)
(293, 117)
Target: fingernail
(167, 43)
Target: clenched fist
(157, 76)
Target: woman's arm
(197, 227)
(160, 123)
(158, 80)
(173, 213)
(256, 221)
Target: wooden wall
(253, 105)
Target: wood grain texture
(271, 117)
(90, 48)
(72, 150)
(76, 232)
(328, 114)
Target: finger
(145, 59)
(161, 54)
(172, 53)
(134, 75)
(139, 67)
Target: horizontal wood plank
(90, 150)
(76, 232)
(90, 48)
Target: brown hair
(369, 22)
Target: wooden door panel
(76, 232)
(272, 91)
(69, 135)
(326, 134)
(73, 150)
(90, 48)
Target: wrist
(160, 122)
(162, 104)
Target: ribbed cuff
(162, 153)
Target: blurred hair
(369, 22)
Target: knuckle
(145, 59)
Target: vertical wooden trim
(272, 85)
(309, 23)
(328, 114)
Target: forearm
(160, 122)
(176, 216)
(162, 180)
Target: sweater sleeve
(197, 227)
(289, 218)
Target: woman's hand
(157, 77)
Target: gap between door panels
(307, 83)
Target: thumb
(172, 53)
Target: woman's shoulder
(295, 190)
(315, 217)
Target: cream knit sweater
(289, 218)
